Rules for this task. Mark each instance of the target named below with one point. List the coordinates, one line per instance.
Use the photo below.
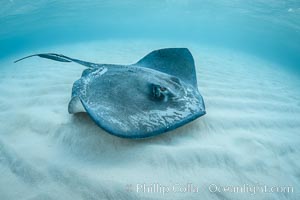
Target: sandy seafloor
(249, 136)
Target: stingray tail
(62, 58)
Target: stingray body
(157, 94)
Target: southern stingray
(155, 95)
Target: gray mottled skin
(157, 94)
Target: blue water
(266, 28)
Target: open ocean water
(265, 28)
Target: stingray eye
(163, 88)
(159, 92)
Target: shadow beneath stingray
(83, 138)
(83, 120)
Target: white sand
(249, 136)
